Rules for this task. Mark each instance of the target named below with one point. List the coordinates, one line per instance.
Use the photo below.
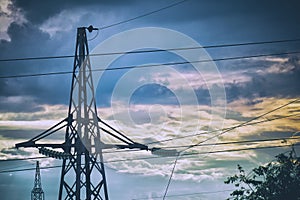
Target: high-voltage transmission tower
(37, 192)
(82, 174)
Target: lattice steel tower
(37, 192)
(83, 174)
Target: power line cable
(219, 151)
(185, 194)
(244, 123)
(203, 153)
(101, 28)
(191, 146)
(170, 178)
(149, 158)
(219, 134)
(223, 129)
(143, 15)
(22, 159)
(238, 142)
(216, 144)
(166, 147)
(154, 50)
(208, 132)
(153, 65)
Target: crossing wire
(244, 123)
(185, 194)
(150, 158)
(155, 50)
(219, 134)
(155, 65)
(223, 129)
(239, 142)
(143, 15)
(128, 20)
(168, 147)
(206, 144)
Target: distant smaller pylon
(37, 192)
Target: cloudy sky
(171, 106)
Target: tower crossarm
(115, 130)
(129, 143)
(82, 155)
(32, 142)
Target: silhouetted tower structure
(37, 192)
(82, 166)
(83, 174)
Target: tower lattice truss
(83, 173)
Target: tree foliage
(277, 180)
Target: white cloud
(279, 68)
(9, 14)
(169, 122)
(40, 124)
(65, 21)
(69, 19)
(45, 112)
(7, 150)
(196, 168)
(277, 65)
(276, 59)
(184, 80)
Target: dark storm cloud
(273, 84)
(19, 104)
(233, 21)
(27, 134)
(14, 152)
(203, 96)
(244, 20)
(38, 11)
(269, 135)
(29, 41)
(206, 21)
(154, 94)
(22, 36)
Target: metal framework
(81, 132)
(83, 174)
(37, 192)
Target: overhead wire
(170, 178)
(154, 65)
(150, 158)
(22, 159)
(257, 141)
(220, 59)
(143, 15)
(218, 151)
(205, 144)
(238, 142)
(248, 121)
(223, 129)
(154, 50)
(233, 142)
(101, 28)
(118, 23)
(185, 194)
(219, 134)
